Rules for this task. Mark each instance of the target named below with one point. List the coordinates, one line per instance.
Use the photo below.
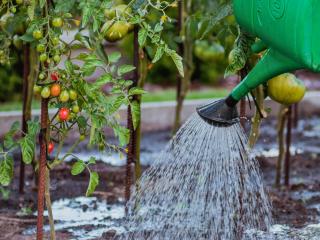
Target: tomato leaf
(177, 60)
(123, 135)
(114, 57)
(93, 183)
(142, 36)
(116, 104)
(104, 79)
(9, 142)
(159, 54)
(125, 69)
(78, 167)
(27, 149)
(136, 91)
(136, 112)
(6, 170)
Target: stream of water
(204, 185)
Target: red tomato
(64, 114)
(54, 76)
(50, 147)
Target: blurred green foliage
(11, 79)
(210, 51)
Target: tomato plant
(63, 86)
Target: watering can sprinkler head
(221, 112)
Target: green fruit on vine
(13, 9)
(37, 34)
(57, 22)
(19, 2)
(42, 76)
(286, 89)
(43, 57)
(41, 48)
(116, 30)
(17, 42)
(82, 137)
(73, 95)
(64, 96)
(75, 109)
(56, 58)
(45, 92)
(55, 41)
(121, 9)
(72, 116)
(37, 89)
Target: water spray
(290, 30)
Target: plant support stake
(288, 142)
(42, 166)
(131, 156)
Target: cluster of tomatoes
(54, 43)
(66, 99)
(115, 27)
(64, 96)
(7, 27)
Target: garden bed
(81, 218)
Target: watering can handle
(271, 65)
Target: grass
(157, 96)
(170, 95)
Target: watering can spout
(224, 112)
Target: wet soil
(295, 206)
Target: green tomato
(42, 76)
(121, 9)
(286, 89)
(37, 89)
(43, 57)
(75, 109)
(41, 48)
(37, 34)
(55, 41)
(13, 9)
(82, 137)
(57, 22)
(45, 93)
(19, 2)
(56, 58)
(116, 30)
(73, 95)
(64, 96)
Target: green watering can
(290, 30)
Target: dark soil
(287, 207)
